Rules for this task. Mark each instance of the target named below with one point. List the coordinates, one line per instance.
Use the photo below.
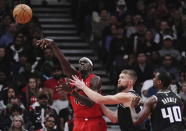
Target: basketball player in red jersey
(87, 114)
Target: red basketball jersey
(83, 111)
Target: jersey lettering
(173, 113)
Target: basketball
(22, 13)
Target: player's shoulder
(126, 94)
(96, 77)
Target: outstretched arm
(138, 118)
(98, 98)
(84, 100)
(64, 63)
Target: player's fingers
(72, 81)
(74, 77)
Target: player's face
(123, 81)
(84, 66)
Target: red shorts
(92, 124)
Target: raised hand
(77, 82)
(64, 86)
(43, 43)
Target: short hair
(49, 116)
(165, 78)
(131, 73)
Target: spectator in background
(30, 92)
(4, 82)
(169, 65)
(149, 46)
(45, 65)
(143, 69)
(6, 20)
(97, 30)
(17, 47)
(141, 8)
(50, 123)
(60, 102)
(98, 26)
(137, 39)
(151, 15)
(8, 36)
(57, 76)
(6, 95)
(5, 63)
(182, 75)
(162, 27)
(48, 58)
(6, 118)
(106, 44)
(162, 10)
(40, 109)
(113, 20)
(17, 124)
(119, 48)
(121, 10)
(147, 84)
(21, 71)
(168, 48)
(154, 59)
(182, 39)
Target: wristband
(51, 40)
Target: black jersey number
(173, 113)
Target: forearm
(93, 95)
(63, 61)
(110, 114)
(134, 115)
(83, 99)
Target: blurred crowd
(144, 35)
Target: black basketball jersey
(125, 120)
(167, 113)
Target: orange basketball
(22, 13)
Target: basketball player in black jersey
(126, 81)
(165, 107)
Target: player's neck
(163, 90)
(128, 89)
(85, 75)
